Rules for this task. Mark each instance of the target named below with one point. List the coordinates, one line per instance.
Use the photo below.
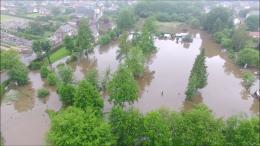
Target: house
(85, 11)
(68, 29)
(255, 35)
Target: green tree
(52, 79)
(105, 80)
(146, 42)
(66, 92)
(122, 88)
(36, 46)
(44, 71)
(217, 26)
(127, 126)
(197, 127)
(74, 126)
(19, 73)
(65, 74)
(92, 77)
(46, 46)
(242, 131)
(86, 95)
(248, 56)
(157, 130)
(248, 79)
(104, 39)
(125, 19)
(218, 19)
(135, 61)
(69, 44)
(123, 43)
(239, 39)
(252, 22)
(149, 24)
(9, 58)
(84, 39)
(198, 76)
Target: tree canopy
(218, 19)
(125, 19)
(87, 96)
(74, 126)
(85, 38)
(198, 76)
(252, 22)
(122, 87)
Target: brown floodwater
(168, 71)
(25, 121)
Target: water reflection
(145, 80)
(195, 100)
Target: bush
(19, 73)
(43, 92)
(51, 78)
(66, 92)
(65, 74)
(35, 65)
(2, 90)
(248, 79)
(104, 39)
(248, 56)
(44, 71)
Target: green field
(60, 53)
(33, 15)
(166, 27)
(5, 18)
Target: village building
(68, 29)
(255, 35)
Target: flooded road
(25, 121)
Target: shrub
(248, 56)
(248, 79)
(19, 73)
(44, 71)
(66, 92)
(104, 39)
(51, 78)
(43, 92)
(2, 90)
(35, 65)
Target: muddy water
(224, 94)
(168, 72)
(103, 58)
(25, 121)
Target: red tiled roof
(254, 34)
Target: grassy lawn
(60, 53)
(5, 18)
(33, 15)
(166, 27)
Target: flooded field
(25, 121)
